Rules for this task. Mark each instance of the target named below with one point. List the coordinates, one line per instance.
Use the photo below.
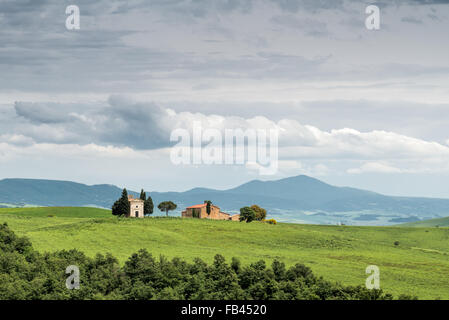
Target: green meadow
(440, 222)
(412, 260)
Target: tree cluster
(121, 206)
(28, 274)
(148, 205)
(253, 213)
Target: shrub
(271, 221)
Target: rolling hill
(295, 199)
(412, 261)
(440, 222)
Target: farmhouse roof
(197, 206)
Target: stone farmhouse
(136, 207)
(199, 211)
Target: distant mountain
(296, 199)
(56, 193)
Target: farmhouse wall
(200, 211)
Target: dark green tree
(247, 214)
(167, 206)
(121, 206)
(115, 208)
(236, 265)
(26, 274)
(208, 204)
(143, 195)
(148, 206)
(278, 270)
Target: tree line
(26, 274)
(121, 207)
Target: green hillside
(440, 222)
(417, 265)
(61, 212)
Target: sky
(353, 107)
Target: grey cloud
(410, 70)
(259, 66)
(408, 2)
(41, 112)
(140, 125)
(195, 8)
(412, 20)
(433, 17)
(40, 55)
(309, 5)
(428, 2)
(200, 8)
(309, 26)
(121, 122)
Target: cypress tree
(148, 206)
(121, 206)
(143, 195)
(208, 204)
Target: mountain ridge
(294, 199)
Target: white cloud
(147, 126)
(93, 142)
(16, 139)
(13, 148)
(246, 56)
(374, 167)
(350, 143)
(320, 170)
(290, 165)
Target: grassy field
(418, 265)
(440, 222)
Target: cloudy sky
(356, 107)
